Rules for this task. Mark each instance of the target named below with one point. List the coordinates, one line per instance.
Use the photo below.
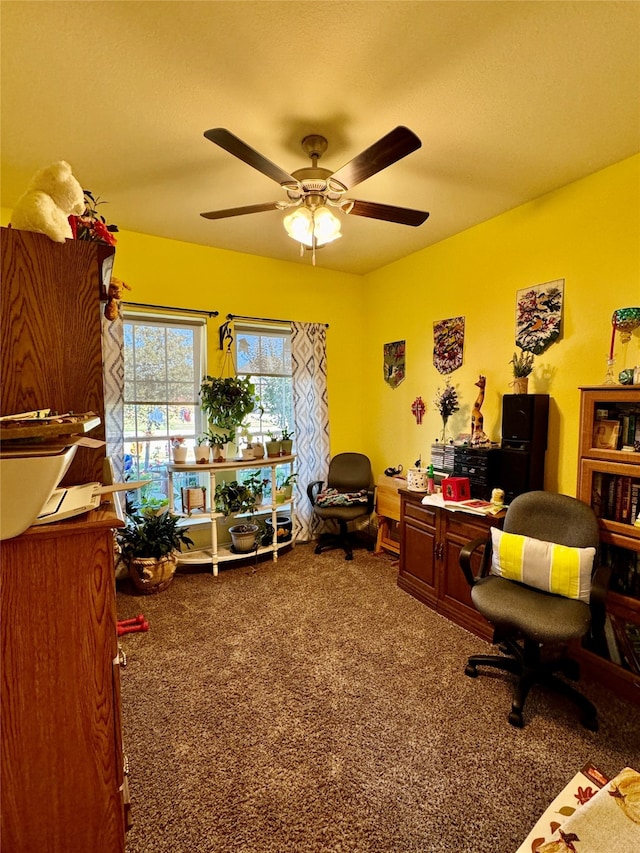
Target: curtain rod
(225, 333)
(172, 308)
(264, 319)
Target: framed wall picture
(606, 434)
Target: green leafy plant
(227, 402)
(217, 439)
(289, 480)
(256, 483)
(522, 364)
(234, 497)
(287, 435)
(151, 534)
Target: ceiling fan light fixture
(308, 227)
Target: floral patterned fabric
(332, 497)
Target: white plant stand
(218, 554)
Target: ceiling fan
(311, 191)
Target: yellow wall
(587, 233)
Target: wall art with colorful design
(394, 366)
(539, 316)
(448, 344)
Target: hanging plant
(227, 402)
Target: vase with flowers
(446, 402)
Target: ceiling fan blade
(401, 215)
(391, 148)
(225, 139)
(240, 211)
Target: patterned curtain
(311, 416)
(113, 381)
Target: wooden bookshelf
(609, 481)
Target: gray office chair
(528, 622)
(348, 473)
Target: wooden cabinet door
(61, 772)
(454, 599)
(418, 551)
(51, 334)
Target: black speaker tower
(525, 420)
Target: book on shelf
(596, 493)
(615, 497)
(616, 427)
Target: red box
(456, 489)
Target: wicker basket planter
(151, 575)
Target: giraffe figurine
(478, 435)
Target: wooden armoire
(63, 786)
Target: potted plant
(179, 449)
(257, 484)
(284, 490)
(522, 366)
(227, 402)
(286, 443)
(218, 441)
(245, 537)
(284, 529)
(150, 543)
(273, 445)
(202, 450)
(232, 498)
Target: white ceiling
(510, 100)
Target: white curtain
(113, 382)
(311, 416)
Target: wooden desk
(388, 512)
(431, 538)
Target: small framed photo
(605, 435)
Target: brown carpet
(310, 705)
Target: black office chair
(349, 474)
(528, 622)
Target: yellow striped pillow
(543, 565)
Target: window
(263, 352)
(163, 368)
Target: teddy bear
(51, 197)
